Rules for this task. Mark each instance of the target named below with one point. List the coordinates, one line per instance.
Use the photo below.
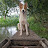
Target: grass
(35, 26)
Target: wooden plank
(31, 41)
(25, 47)
(46, 42)
(32, 36)
(43, 44)
(24, 42)
(3, 42)
(7, 44)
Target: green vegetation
(8, 21)
(5, 6)
(38, 28)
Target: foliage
(10, 3)
(39, 10)
(4, 9)
(6, 5)
(38, 28)
(37, 5)
(9, 21)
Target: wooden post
(43, 44)
(25, 47)
(46, 42)
(7, 44)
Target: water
(7, 32)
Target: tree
(6, 5)
(4, 9)
(39, 10)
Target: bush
(8, 22)
(37, 28)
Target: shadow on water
(7, 32)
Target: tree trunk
(4, 17)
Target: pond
(7, 32)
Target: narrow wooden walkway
(32, 36)
(31, 41)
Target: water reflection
(7, 32)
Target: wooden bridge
(31, 41)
